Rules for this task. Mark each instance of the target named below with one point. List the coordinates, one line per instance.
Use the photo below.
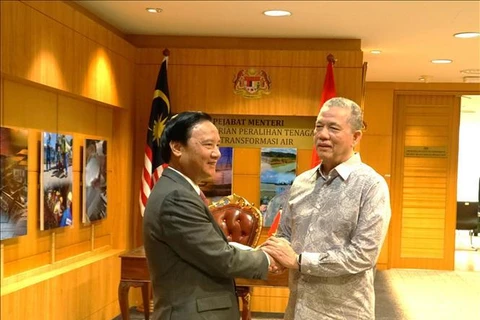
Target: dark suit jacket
(191, 264)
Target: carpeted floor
(135, 315)
(386, 307)
(409, 294)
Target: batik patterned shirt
(338, 223)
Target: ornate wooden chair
(240, 222)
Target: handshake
(280, 253)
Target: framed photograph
(221, 185)
(56, 181)
(277, 172)
(14, 182)
(94, 180)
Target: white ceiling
(410, 33)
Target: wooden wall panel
(104, 123)
(269, 299)
(29, 107)
(62, 253)
(122, 197)
(102, 241)
(248, 186)
(82, 293)
(24, 264)
(62, 71)
(243, 156)
(376, 145)
(296, 85)
(146, 42)
(93, 65)
(304, 159)
(77, 234)
(242, 57)
(36, 50)
(75, 115)
(376, 151)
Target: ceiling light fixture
(467, 35)
(441, 61)
(425, 78)
(376, 51)
(154, 10)
(277, 13)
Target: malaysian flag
(160, 113)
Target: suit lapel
(169, 173)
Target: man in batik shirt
(333, 224)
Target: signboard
(267, 131)
(425, 152)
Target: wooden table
(134, 273)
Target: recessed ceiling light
(425, 78)
(470, 71)
(376, 51)
(277, 13)
(466, 35)
(442, 61)
(154, 10)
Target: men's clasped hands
(282, 256)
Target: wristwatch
(299, 262)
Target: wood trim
(396, 182)
(413, 87)
(159, 41)
(6, 76)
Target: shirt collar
(196, 187)
(344, 169)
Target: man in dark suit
(191, 264)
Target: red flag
(275, 223)
(327, 93)
(160, 113)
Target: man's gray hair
(356, 113)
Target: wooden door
(424, 178)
